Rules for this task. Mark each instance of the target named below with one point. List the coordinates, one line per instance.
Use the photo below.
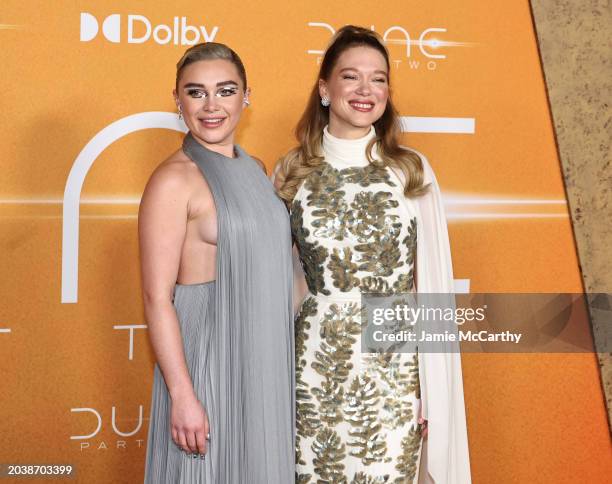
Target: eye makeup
(198, 93)
(227, 91)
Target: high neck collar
(346, 151)
(192, 147)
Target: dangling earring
(180, 113)
(325, 101)
(247, 102)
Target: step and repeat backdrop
(87, 114)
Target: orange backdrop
(76, 364)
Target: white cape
(445, 457)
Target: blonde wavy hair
(307, 157)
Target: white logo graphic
(113, 422)
(131, 327)
(111, 27)
(104, 445)
(140, 30)
(76, 178)
(427, 41)
(428, 124)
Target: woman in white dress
(366, 217)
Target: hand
(189, 425)
(423, 423)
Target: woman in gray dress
(215, 249)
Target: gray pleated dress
(238, 338)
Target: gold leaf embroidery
(407, 461)
(312, 255)
(361, 402)
(330, 453)
(342, 269)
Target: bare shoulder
(173, 179)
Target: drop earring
(180, 112)
(325, 101)
(247, 102)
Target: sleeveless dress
(238, 338)
(356, 412)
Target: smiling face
(211, 96)
(358, 89)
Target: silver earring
(180, 112)
(325, 101)
(247, 102)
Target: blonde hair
(304, 159)
(210, 51)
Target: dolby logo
(139, 30)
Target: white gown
(357, 412)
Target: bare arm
(162, 224)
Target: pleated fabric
(165, 462)
(238, 338)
